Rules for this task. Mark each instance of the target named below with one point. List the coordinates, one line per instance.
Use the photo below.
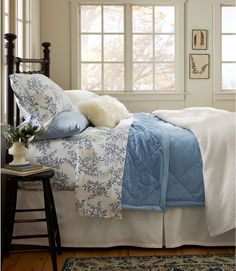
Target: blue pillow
(65, 124)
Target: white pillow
(104, 111)
(79, 96)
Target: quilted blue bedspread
(163, 166)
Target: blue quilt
(163, 166)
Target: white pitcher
(18, 151)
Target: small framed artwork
(199, 39)
(199, 66)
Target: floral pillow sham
(39, 98)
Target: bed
(176, 219)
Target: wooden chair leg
(7, 218)
(10, 212)
(50, 227)
(55, 222)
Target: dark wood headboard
(13, 65)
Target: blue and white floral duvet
(147, 164)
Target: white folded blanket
(215, 130)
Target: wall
(55, 27)
(198, 16)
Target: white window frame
(179, 43)
(30, 43)
(219, 93)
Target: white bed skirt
(177, 226)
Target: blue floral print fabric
(39, 98)
(92, 163)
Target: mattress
(177, 226)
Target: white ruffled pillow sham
(39, 98)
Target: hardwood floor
(41, 261)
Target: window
(228, 45)
(153, 35)
(19, 28)
(22, 18)
(6, 16)
(5, 29)
(23, 28)
(130, 47)
(224, 44)
(102, 47)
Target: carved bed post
(11, 61)
(46, 57)
(10, 69)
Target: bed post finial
(46, 53)
(10, 37)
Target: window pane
(164, 47)
(113, 19)
(20, 9)
(6, 6)
(113, 76)
(27, 40)
(113, 47)
(164, 19)
(90, 18)
(228, 47)
(228, 76)
(229, 19)
(142, 77)
(91, 47)
(28, 43)
(91, 76)
(142, 47)
(142, 19)
(165, 76)
(6, 23)
(20, 38)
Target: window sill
(146, 96)
(225, 95)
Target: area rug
(153, 263)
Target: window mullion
(128, 37)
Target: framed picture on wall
(199, 66)
(199, 39)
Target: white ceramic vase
(18, 151)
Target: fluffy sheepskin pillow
(79, 96)
(104, 111)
